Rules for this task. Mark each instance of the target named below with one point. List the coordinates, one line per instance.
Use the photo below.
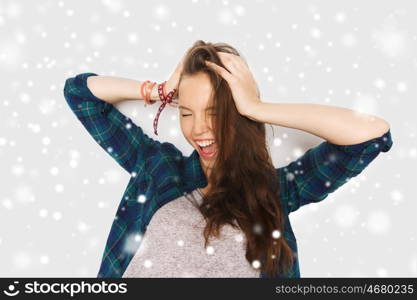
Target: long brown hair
(244, 184)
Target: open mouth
(207, 151)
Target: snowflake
(210, 250)
(141, 198)
(276, 234)
(147, 263)
(290, 176)
(256, 264)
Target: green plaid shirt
(159, 173)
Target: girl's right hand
(173, 82)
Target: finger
(229, 62)
(174, 103)
(233, 60)
(175, 100)
(220, 70)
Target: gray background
(60, 190)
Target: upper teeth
(205, 143)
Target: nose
(201, 126)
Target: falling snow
(64, 187)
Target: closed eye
(190, 115)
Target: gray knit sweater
(173, 246)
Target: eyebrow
(183, 107)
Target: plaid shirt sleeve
(326, 167)
(113, 131)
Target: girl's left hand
(241, 82)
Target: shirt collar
(194, 174)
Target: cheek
(186, 128)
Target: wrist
(154, 93)
(253, 111)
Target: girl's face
(196, 113)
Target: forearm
(337, 125)
(115, 89)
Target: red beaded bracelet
(165, 99)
